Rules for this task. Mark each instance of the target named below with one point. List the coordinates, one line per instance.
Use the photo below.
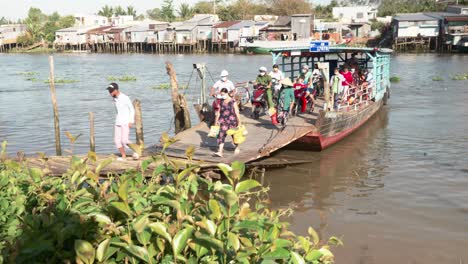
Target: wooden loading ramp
(263, 138)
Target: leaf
(140, 223)
(189, 152)
(314, 235)
(92, 156)
(282, 243)
(101, 250)
(296, 258)
(161, 230)
(313, 255)
(123, 191)
(305, 243)
(180, 240)
(121, 207)
(209, 242)
(145, 164)
(240, 167)
(279, 253)
(226, 169)
(210, 226)
(101, 218)
(84, 251)
(36, 174)
(233, 241)
(139, 252)
(184, 173)
(102, 165)
(213, 205)
(246, 185)
(335, 241)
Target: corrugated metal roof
(73, 29)
(242, 24)
(186, 26)
(413, 17)
(99, 30)
(226, 24)
(283, 21)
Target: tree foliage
(392, 7)
(110, 11)
(203, 7)
(40, 26)
(175, 216)
(290, 7)
(185, 11)
(167, 11)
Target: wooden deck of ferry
(263, 138)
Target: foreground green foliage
(175, 216)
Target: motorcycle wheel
(256, 113)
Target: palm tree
(131, 11)
(119, 11)
(106, 11)
(185, 11)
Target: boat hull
(335, 126)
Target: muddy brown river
(396, 190)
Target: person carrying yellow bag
(238, 134)
(227, 117)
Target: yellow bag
(238, 134)
(214, 131)
(271, 111)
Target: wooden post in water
(181, 111)
(58, 146)
(138, 122)
(92, 144)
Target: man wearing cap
(124, 119)
(276, 76)
(223, 83)
(265, 80)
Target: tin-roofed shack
(9, 35)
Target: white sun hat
(224, 73)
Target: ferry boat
(335, 122)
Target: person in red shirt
(348, 80)
(299, 92)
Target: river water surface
(396, 190)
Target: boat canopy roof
(332, 49)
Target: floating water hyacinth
(166, 86)
(124, 78)
(460, 76)
(437, 79)
(394, 79)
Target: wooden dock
(263, 139)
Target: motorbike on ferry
(302, 103)
(259, 100)
(317, 83)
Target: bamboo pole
(138, 122)
(92, 144)
(181, 112)
(58, 147)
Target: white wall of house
(186, 36)
(233, 35)
(217, 34)
(203, 32)
(415, 28)
(121, 20)
(9, 33)
(91, 20)
(354, 14)
(70, 37)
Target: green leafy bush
(174, 216)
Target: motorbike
(301, 103)
(259, 100)
(317, 83)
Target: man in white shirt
(223, 83)
(276, 77)
(124, 119)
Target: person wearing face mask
(265, 80)
(124, 119)
(223, 82)
(226, 117)
(307, 75)
(277, 76)
(336, 82)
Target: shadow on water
(350, 163)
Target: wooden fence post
(181, 111)
(138, 122)
(58, 146)
(92, 145)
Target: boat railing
(356, 96)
